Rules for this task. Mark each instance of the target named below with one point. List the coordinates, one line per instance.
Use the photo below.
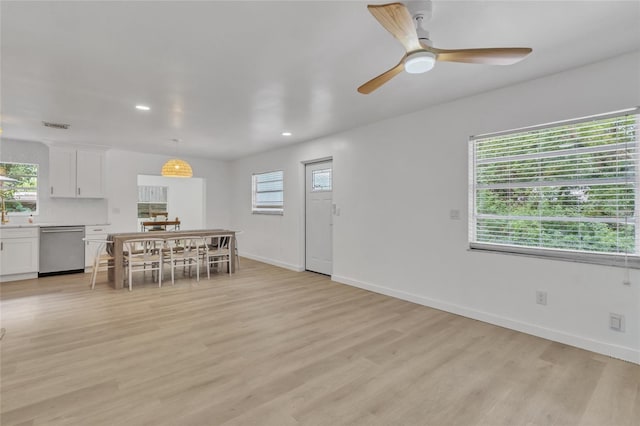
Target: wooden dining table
(116, 274)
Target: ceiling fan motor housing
(421, 12)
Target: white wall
(395, 182)
(185, 199)
(120, 207)
(51, 210)
(123, 168)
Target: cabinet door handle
(1, 245)
(52, 190)
(78, 191)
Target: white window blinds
(268, 192)
(152, 194)
(566, 190)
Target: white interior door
(319, 218)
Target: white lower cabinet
(18, 253)
(95, 232)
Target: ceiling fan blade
(396, 19)
(378, 81)
(489, 56)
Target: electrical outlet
(616, 322)
(541, 297)
(454, 214)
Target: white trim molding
(289, 266)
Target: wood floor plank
(268, 346)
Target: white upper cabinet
(62, 172)
(90, 172)
(76, 173)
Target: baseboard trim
(614, 351)
(289, 266)
(18, 277)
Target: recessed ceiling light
(143, 107)
(286, 133)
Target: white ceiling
(227, 77)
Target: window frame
(628, 260)
(322, 189)
(276, 209)
(35, 212)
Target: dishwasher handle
(58, 230)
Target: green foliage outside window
(20, 196)
(567, 187)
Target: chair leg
(94, 273)
(93, 279)
(130, 277)
(235, 250)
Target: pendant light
(176, 167)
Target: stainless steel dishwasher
(61, 250)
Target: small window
(20, 196)
(567, 190)
(268, 193)
(321, 180)
(152, 201)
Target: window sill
(269, 212)
(615, 260)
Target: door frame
(303, 219)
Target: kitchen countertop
(34, 225)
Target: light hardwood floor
(269, 346)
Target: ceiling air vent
(56, 125)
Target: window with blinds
(268, 193)
(566, 190)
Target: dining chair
(102, 258)
(186, 250)
(218, 251)
(142, 255)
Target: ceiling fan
(420, 55)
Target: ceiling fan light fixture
(419, 62)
